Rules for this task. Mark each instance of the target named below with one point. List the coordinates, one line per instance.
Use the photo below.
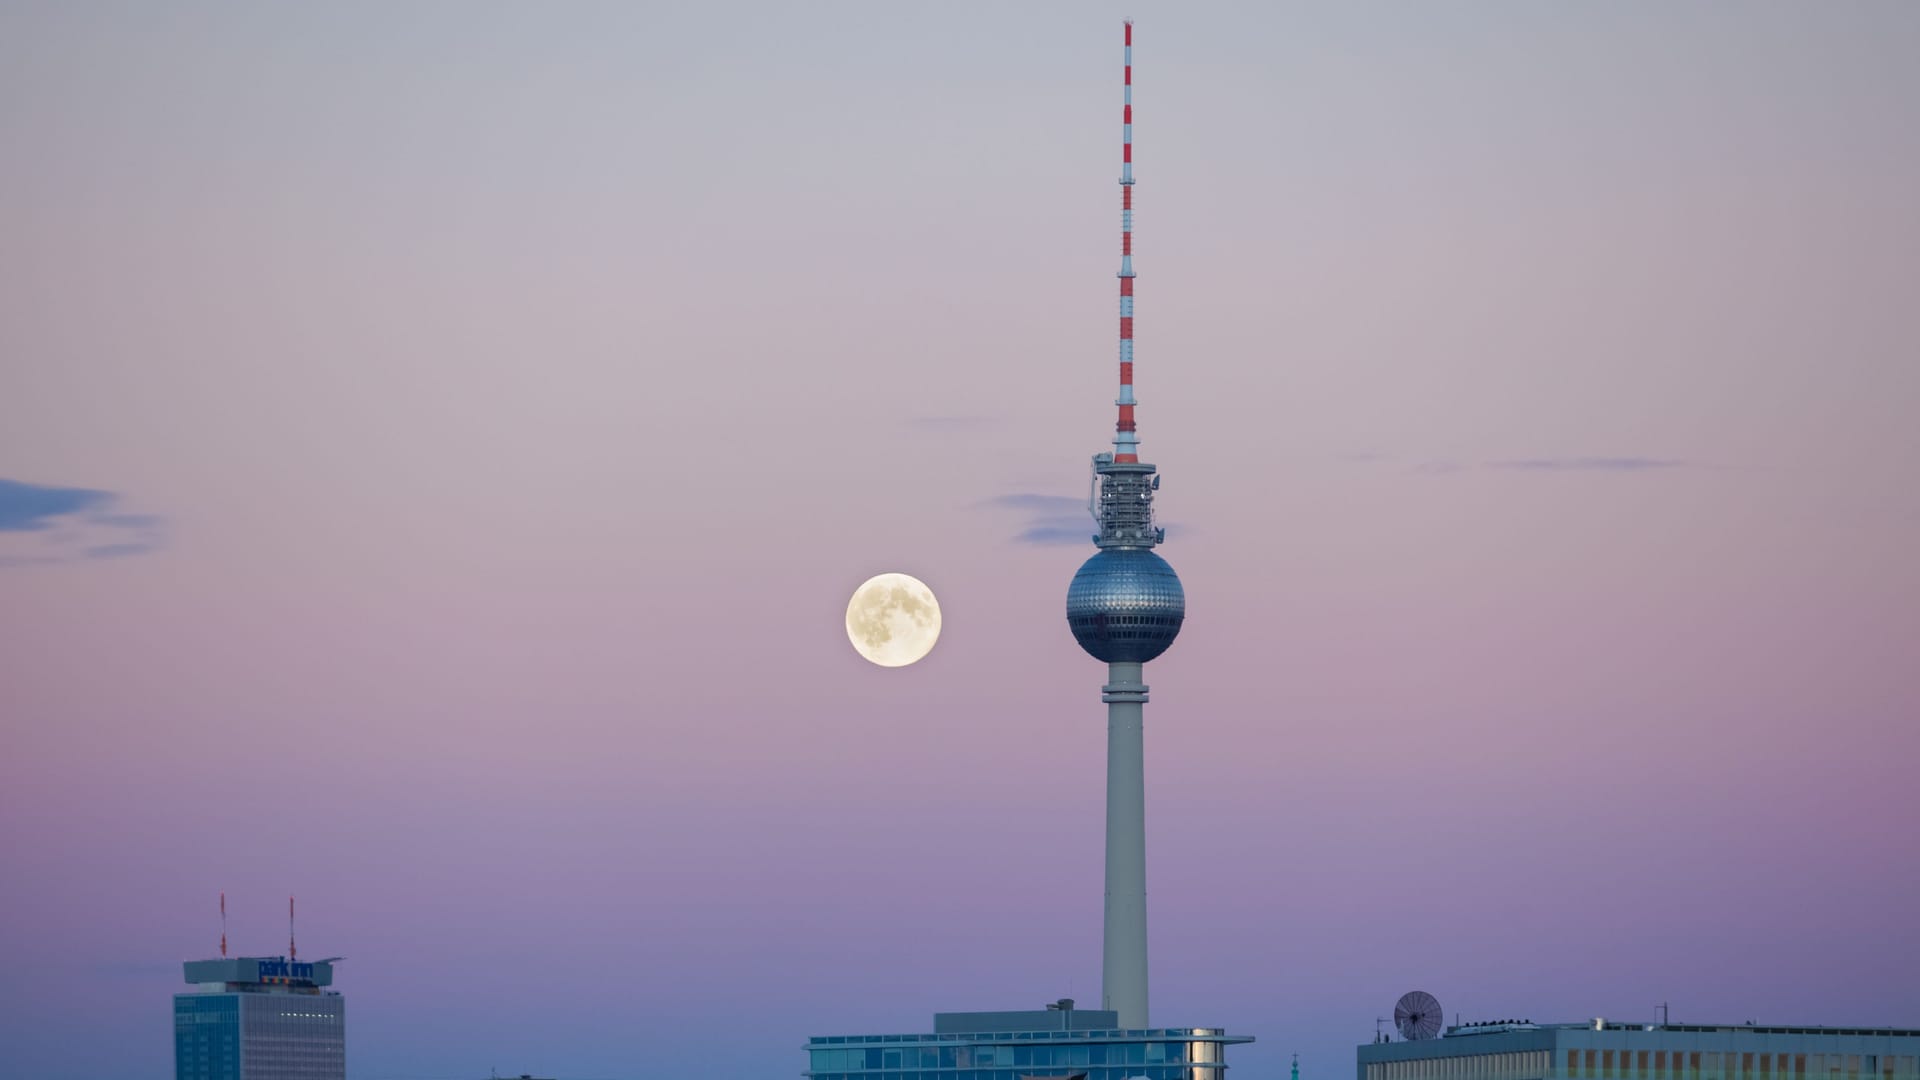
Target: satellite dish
(1417, 1015)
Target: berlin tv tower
(1125, 607)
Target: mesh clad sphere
(1125, 605)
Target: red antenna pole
(1125, 441)
(223, 924)
(292, 952)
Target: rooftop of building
(1058, 1021)
(259, 974)
(1485, 1027)
(1493, 1035)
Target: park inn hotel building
(1598, 1050)
(259, 1018)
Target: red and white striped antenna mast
(1125, 442)
(293, 953)
(223, 923)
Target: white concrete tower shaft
(1123, 973)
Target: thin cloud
(67, 524)
(1057, 534)
(34, 507)
(1054, 520)
(1050, 519)
(117, 551)
(1443, 466)
(1588, 464)
(1042, 503)
(952, 423)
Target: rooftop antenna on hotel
(223, 924)
(292, 952)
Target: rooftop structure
(1610, 1050)
(1070, 1044)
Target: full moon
(893, 620)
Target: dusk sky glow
(438, 443)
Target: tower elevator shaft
(1123, 978)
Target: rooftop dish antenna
(1417, 1015)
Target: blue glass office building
(259, 1018)
(1053, 1044)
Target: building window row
(1516, 1065)
(1734, 1065)
(1117, 1072)
(1039, 1055)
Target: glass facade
(206, 1037)
(254, 1035)
(1158, 1054)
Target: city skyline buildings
(1545, 467)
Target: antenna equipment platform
(1417, 1015)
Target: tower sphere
(1125, 605)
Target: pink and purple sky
(442, 439)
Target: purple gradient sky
(513, 396)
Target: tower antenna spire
(1126, 444)
(293, 953)
(1125, 605)
(223, 923)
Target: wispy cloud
(53, 524)
(1044, 504)
(34, 508)
(1056, 534)
(1054, 519)
(1050, 519)
(1588, 464)
(1445, 466)
(952, 423)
